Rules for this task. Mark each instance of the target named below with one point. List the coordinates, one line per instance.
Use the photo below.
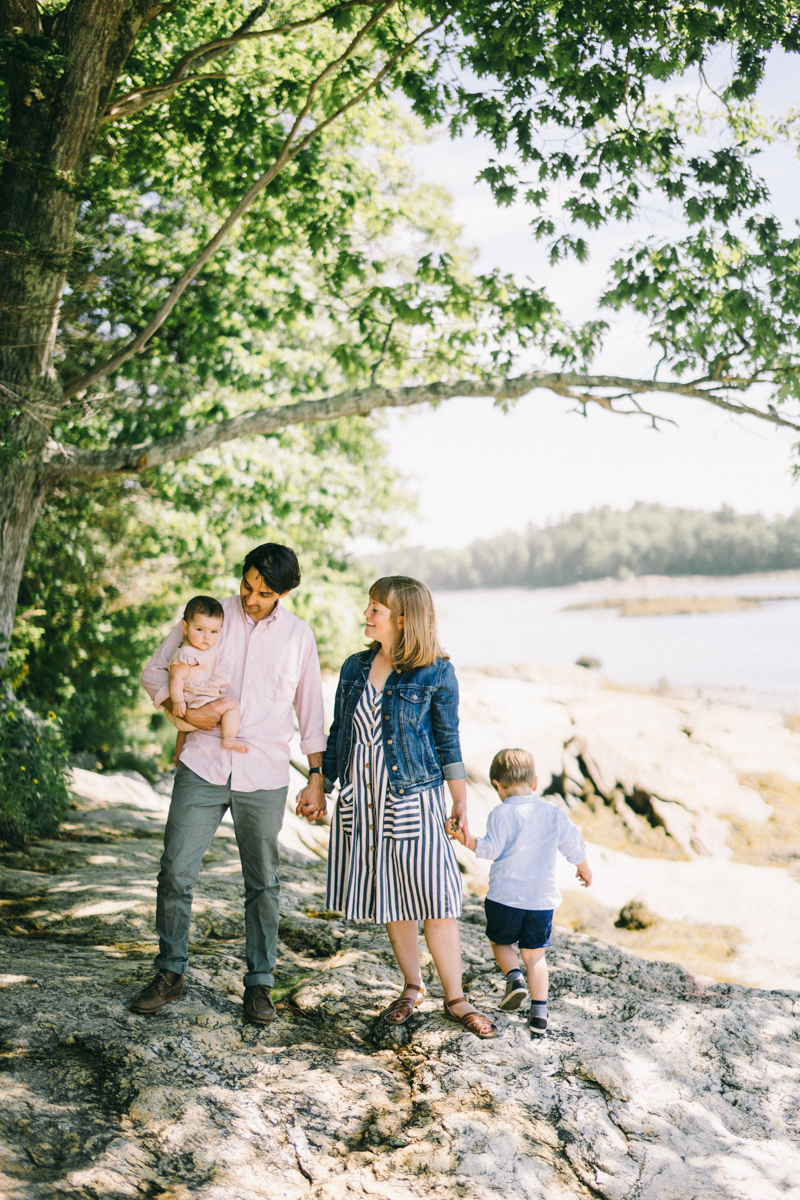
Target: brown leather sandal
(401, 1009)
(474, 1021)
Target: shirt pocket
(282, 687)
(414, 703)
(402, 819)
(344, 807)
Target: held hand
(458, 822)
(584, 874)
(311, 802)
(453, 832)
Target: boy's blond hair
(513, 766)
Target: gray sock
(539, 1008)
(512, 973)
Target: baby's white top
(204, 681)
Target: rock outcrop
(651, 1084)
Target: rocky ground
(651, 1083)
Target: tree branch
(127, 460)
(287, 153)
(140, 98)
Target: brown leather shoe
(166, 986)
(258, 1004)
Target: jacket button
(386, 718)
(401, 791)
(388, 741)
(394, 768)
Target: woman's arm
(458, 817)
(314, 806)
(444, 725)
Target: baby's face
(202, 632)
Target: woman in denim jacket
(392, 745)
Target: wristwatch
(315, 770)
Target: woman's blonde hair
(416, 643)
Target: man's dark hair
(203, 606)
(277, 566)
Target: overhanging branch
(288, 152)
(187, 68)
(127, 460)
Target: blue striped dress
(390, 858)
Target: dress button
(370, 804)
(372, 826)
(369, 786)
(372, 849)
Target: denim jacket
(419, 723)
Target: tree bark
(56, 99)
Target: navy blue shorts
(530, 928)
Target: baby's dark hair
(510, 767)
(203, 606)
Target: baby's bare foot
(230, 744)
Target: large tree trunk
(57, 97)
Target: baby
(522, 837)
(194, 675)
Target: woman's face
(379, 624)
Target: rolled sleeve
(309, 706)
(455, 770)
(485, 848)
(155, 676)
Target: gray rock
(650, 1084)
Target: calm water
(755, 654)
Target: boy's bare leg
(179, 746)
(505, 957)
(516, 992)
(538, 975)
(231, 720)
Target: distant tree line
(648, 539)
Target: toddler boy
(522, 837)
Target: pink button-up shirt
(273, 666)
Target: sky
(478, 471)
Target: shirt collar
(528, 799)
(267, 620)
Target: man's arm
(311, 720)
(311, 801)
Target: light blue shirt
(522, 837)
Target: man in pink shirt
(271, 658)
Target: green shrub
(33, 763)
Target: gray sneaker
(515, 993)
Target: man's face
(258, 598)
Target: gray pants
(195, 812)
